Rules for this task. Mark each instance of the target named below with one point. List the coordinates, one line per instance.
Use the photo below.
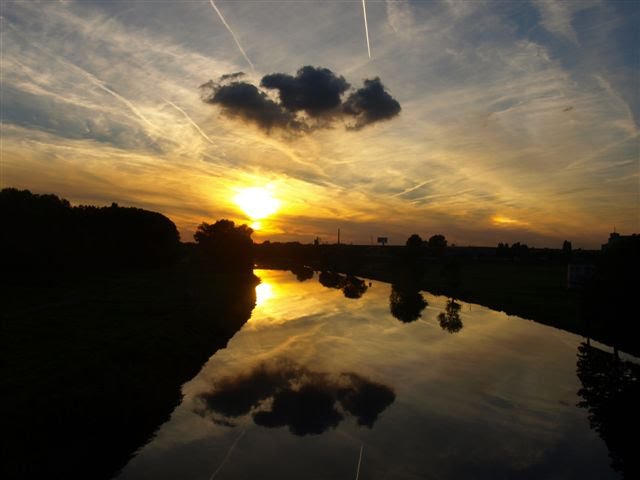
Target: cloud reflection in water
(284, 393)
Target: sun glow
(257, 203)
(264, 291)
(502, 221)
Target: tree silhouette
(354, 287)
(45, 232)
(225, 247)
(351, 286)
(608, 308)
(437, 245)
(302, 272)
(450, 318)
(414, 241)
(611, 394)
(406, 304)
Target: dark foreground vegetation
(98, 334)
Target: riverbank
(93, 364)
(533, 292)
(533, 288)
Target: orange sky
(517, 124)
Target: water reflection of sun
(257, 203)
(264, 292)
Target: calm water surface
(317, 385)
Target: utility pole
(338, 236)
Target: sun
(257, 202)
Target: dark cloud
(241, 99)
(313, 90)
(370, 104)
(231, 76)
(286, 394)
(311, 99)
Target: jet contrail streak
(233, 446)
(409, 190)
(191, 121)
(98, 83)
(232, 34)
(366, 28)
(359, 458)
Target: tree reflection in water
(284, 393)
(406, 303)
(611, 394)
(450, 318)
(302, 272)
(351, 286)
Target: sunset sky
(514, 121)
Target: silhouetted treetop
(45, 231)
(406, 304)
(414, 241)
(351, 286)
(222, 228)
(437, 244)
(450, 319)
(225, 247)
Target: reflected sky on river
(315, 376)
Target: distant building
(622, 241)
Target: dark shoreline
(93, 364)
(533, 288)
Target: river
(320, 386)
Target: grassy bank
(92, 365)
(533, 286)
(536, 292)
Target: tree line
(45, 232)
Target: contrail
(361, 446)
(191, 121)
(411, 189)
(234, 35)
(98, 83)
(131, 106)
(366, 28)
(233, 446)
